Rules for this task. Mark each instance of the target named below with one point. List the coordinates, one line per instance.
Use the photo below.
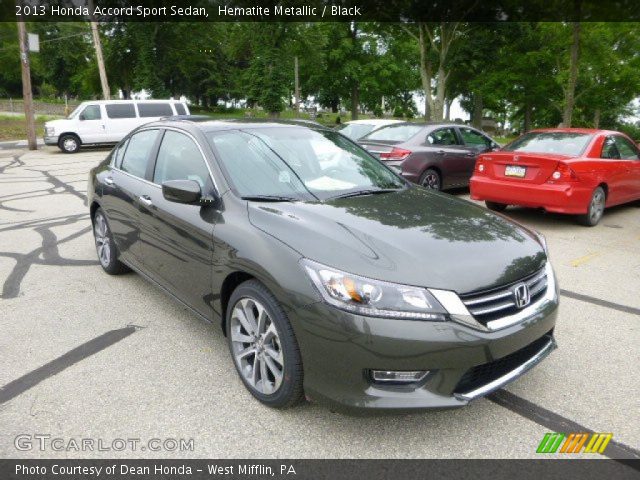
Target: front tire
(495, 206)
(263, 346)
(595, 209)
(69, 143)
(431, 179)
(105, 246)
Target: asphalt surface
(89, 356)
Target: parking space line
(33, 378)
(582, 260)
(557, 423)
(600, 302)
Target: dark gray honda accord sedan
(331, 276)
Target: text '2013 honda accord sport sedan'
(331, 276)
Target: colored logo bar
(574, 442)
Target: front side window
(474, 139)
(91, 112)
(395, 133)
(628, 150)
(609, 149)
(571, 144)
(298, 163)
(444, 136)
(138, 152)
(121, 110)
(154, 110)
(179, 158)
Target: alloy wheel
(70, 144)
(103, 243)
(256, 346)
(431, 180)
(597, 206)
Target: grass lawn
(14, 127)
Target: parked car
(436, 156)
(336, 280)
(356, 129)
(566, 170)
(107, 121)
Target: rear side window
(155, 110)
(119, 153)
(609, 149)
(180, 110)
(121, 110)
(136, 156)
(444, 136)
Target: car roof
(374, 121)
(100, 102)
(587, 131)
(207, 124)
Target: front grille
(500, 302)
(488, 372)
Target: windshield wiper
(366, 192)
(269, 198)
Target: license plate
(515, 171)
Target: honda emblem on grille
(522, 295)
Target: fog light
(390, 377)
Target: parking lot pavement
(87, 355)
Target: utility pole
(27, 94)
(297, 85)
(98, 46)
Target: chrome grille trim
(485, 306)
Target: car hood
(414, 237)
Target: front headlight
(49, 131)
(543, 242)
(374, 298)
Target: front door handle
(146, 200)
(109, 181)
(440, 152)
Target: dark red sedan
(566, 170)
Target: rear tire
(69, 143)
(496, 207)
(263, 346)
(595, 210)
(431, 179)
(105, 246)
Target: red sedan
(566, 170)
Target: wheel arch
(229, 284)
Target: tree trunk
(355, 101)
(596, 118)
(334, 105)
(425, 72)
(476, 114)
(447, 109)
(527, 118)
(569, 94)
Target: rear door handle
(440, 152)
(109, 181)
(145, 199)
(470, 154)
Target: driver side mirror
(182, 191)
(82, 117)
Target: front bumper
(51, 140)
(559, 198)
(339, 349)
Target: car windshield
(395, 133)
(356, 130)
(74, 113)
(560, 143)
(297, 163)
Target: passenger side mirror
(182, 191)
